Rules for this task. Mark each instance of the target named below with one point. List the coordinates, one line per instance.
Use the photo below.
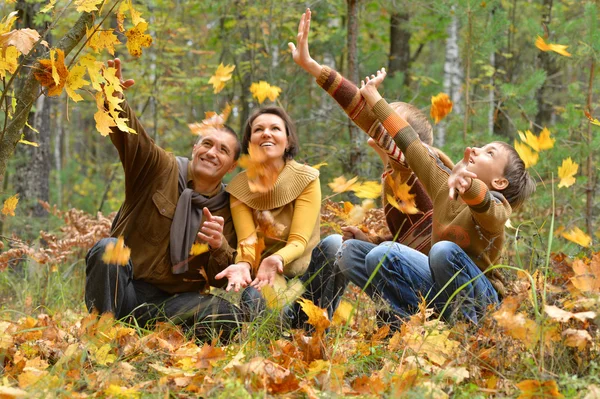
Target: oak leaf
(577, 236)
(340, 184)
(9, 61)
(10, 204)
(136, 39)
(263, 90)
(567, 172)
(116, 253)
(441, 105)
(221, 76)
(529, 156)
(22, 39)
(87, 5)
(53, 73)
(538, 389)
(557, 48)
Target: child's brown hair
(521, 185)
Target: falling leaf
(367, 189)
(340, 184)
(262, 175)
(116, 254)
(262, 90)
(317, 317)
(577, 236)
(100, 40)
(87, 5)
(531, 389)
(567, 172)
(592, 120)
(357, 214)
(441, 105)
(211, 121)
(9, 61)
(267, 224)
(136, 39)
(254, 247)
(318, 166)
(22, 39)
(75, 81)
(538, 143)
(529, 156)
(557, 48)
(198, 249)
(222, 75)
(10, 205)
(53, 73)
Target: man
(169, 203)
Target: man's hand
(238, 276)
(353, 233)
(125, 84)
(211, 230)
(301, 53)
(460, 179)
(269, 267)
(368, 87)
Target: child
(471, 204)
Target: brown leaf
(538, 389)
(22, 39)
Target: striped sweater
(411, 230)
(476, 223)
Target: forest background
(485, 55)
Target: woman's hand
(238, 276)
(269, 267)
(301, 53)
(460, 179)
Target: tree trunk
(357, 138)
(28, 92)
(453, 76)
(547, 63)
(502, 124)
(400, 57)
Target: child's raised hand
(368, 87)
(374, 80)
(460, 178)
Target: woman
(285, 214)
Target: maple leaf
(8, 21)
(262, 176)
(367, 189)
(319, 165)
(317, 317)
(267, 224)
(577, 338)
(53, 73)
(87, 5)
(116, 254)
(117, 391)
(517, 325)
(222, 75)
(262, 90)
(198, 249)
(94, 70)
(342, 313)
(104, 122)
(441, 105)
(340, 184)
(558, 314)
(538, 389)
(538, 143)
(577, 236)
(100, 40)
(567, 172)
(136, 39)
(401, 192)
(529, 156)
(592, 120)
(75, 81)
(48, 7)
(135, 15)
(253, 246)
(22, 39)
(9, 61)
(587, 274)
(211, 121)
(10, 204)
(557, 48)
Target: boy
(471, 204)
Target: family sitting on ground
(443, 254)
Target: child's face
(488, 163)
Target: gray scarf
(188, 217)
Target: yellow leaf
(104, 122)
(538, 143)
(116, 391)
(262, 90)
(87, 5)
(592, 120)
(53, 73)
(198, 249)
(103, 355)
(317, 317)
(538, 389)
(94, 70)
(211, 121)
(261, 175)
(529, 156)
(22, 39)
(517, 325)
(10, 205)
(48, 7)
(340, 184)
(441, 105)
(8, 21)
(557, 48)
(567, 172)
(105, 39)
(577, 338)
(563, 316)
(587, 274)
(9, 61)
(12, 393)
(222, 75)
(318, 166)
(117, 254)
(342, 313)
(136, 39)
(577, 236)
(367, 189)
(26, 142)
(75, 81)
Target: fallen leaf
(538, 389)
(558, 314)
(11, 393)
(517, 325)
(441, 105)
(10, 204)
(587, 274)
(136, 39)
(577, 338)
(567, 172)
(317, 317)
(221, 76)
(557, 48)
